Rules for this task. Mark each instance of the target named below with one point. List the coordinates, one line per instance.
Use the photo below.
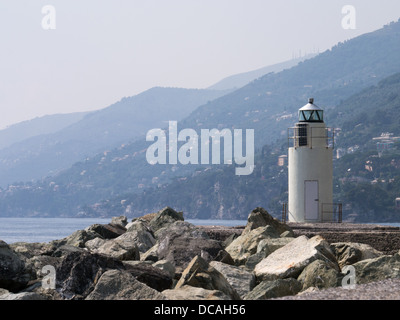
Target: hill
(239, 80)
(38, 126)
(268, 105)
(46, 154)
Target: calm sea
(48, 229)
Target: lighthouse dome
(311, 113)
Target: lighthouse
(310, 167)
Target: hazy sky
(103, 50)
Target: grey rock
(79, 271)
(200, 274)
(291, 259)
(376, 269)
(12, 269)
(319, 274)
(274, 289)
(122, 247)
(119, 221)
(187, 292)
(164, 217)
(106, 231)
(78, 238)
(259, 217)
(151, 254)
(181, 250)
(22, 296)
(121, 285)
(348, 253)
(166, 266)
(246, 244)
(180, 229)
(152, 276)
(240, 279)
(142, 238)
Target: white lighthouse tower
(310, 158)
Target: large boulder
(12, 269)
(106, 231)
(150, 275)
(79, 271)
(164, 217)
(121, 285)
(274, 289)
(78, 238)
(264, 248)
(187, 292)
(119, 221)
(21, 296)
(380, 268)
(348, 253)
(123, 247)
(246, 244)
(200, 274)
(319, 274)
(180, 242)
(290, 260)
(240, 279)
(181, 250)
(259, 217)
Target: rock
(319, 274)
(259, 217)
(264, 248)
(22, 296)
(122, 247)
(165, 217)
(121, 285)
(95, 243)
(180, 242)
(274, 289)
(181, 250)
(79, 271)
(348, 253)
(121, 221)
(291, 259)
(35, 265)
(12, 269)
(166, 266)
(241, 280)
(151, 276)
(66, 249)
(287, 234)
(376, 269)
(26, 250)
(224, 257)
(245, 245)
(180, 229)
(194, 293)
(78, 238)
(106, 231)
(200, 274)
(151, 254)
(142, 238)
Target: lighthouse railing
(333, 211)
(301, 136)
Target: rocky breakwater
(162, 257)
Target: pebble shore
(388, 289)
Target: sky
(83, 55)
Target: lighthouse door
(311, 200)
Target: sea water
(48, 229)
